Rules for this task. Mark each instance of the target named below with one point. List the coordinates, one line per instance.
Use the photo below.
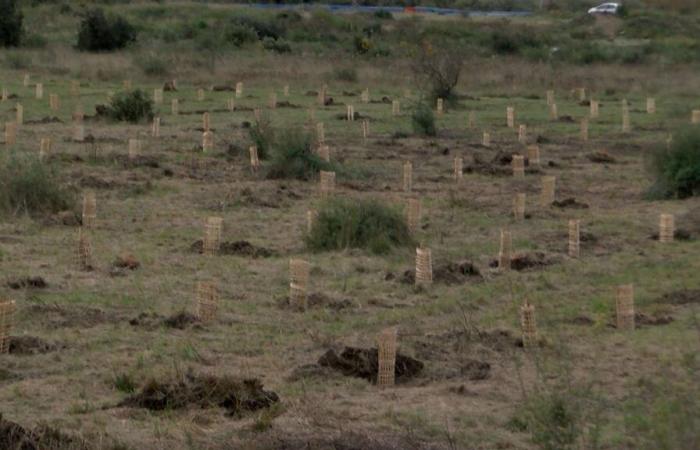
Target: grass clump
(292, 156)
(423, 120)
(130, 106)
(352, 223)
(677, 170)
(28, 185)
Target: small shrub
(153, 65)
(101, 33)
(677, 171)
(239, 34)
(351, 223)
(10, 23)
(363, 44)
(132, 106)
(552, 421)
(292, 156)
(437, 68)
(348, 74)
(262, 135)
(30, 186)
(276, 45)
(124, 382)
(423, 120)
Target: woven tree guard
(126, 85)
(510, 117)
(506, 250)
(533, 155)
(78, 132)
(694, 117)
(667, 228)
(299, 274)
(207, 141)
(407, 176)
(89, 210)
(413, 214)
(254, 160)
(4, 95)
(311, 216)
(518, 164)
(548, 190)
(200, 94)
(25, 80)
(626, 127)
(239, 89)
(486, 139)
(175, 107)
(519, 206)
(206, 121)
(134, 148)
(54, 103)
(553, 112)
(395, 108)
(273, 100)
(207, 296)
(424, 266)
(321, 99)
(155, 127)
(324, 152)
(471, 121)
(257, 113)
(350, 113)
(584, 130)
(386, 358)
(10, 133)
(231, 104)
(327, 185)
(458, 169)
(624, 307)
(651, 105)
(212, 235)
(39, 91)
(44, 148)
(574, 238)
(365, 129)
(440, 107)
(158, 96)
(365, 96)
(19, 114)
(522, 134)
(285, 90)
(75, 88)
(7, 321)
(528, 325)
(320, 133)
(594, 109)
(550, 97)
(581, 94)
(84, 251)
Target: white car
(605, 8)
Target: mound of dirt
(286, 104)
(569, 203)
(641, 319)
(67, 218)
(524, 261)
(450, 273)
(126, 261)
(356, 116)
(481, 166)
(237, 396)
(180, 320)
(601, 157)
(476, 370)
(30, 345)
(682, 297)
(15, 437)
(27, 283)
(320, 300)
(43, 120)
(237, 248)
(93, 182)
(679, 234)
(363, 363)
(55, 316)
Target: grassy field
(89, 339)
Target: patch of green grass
(292, 156)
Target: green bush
(423, 120)
(276, 45)
(352, 223)
(677, 170)
(262, 135)
(292, 156)
(239, 34)
(30, 186)
(552, 420)
(131, 106)
(10, 23)
(102, 33)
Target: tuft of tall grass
(292, 156)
